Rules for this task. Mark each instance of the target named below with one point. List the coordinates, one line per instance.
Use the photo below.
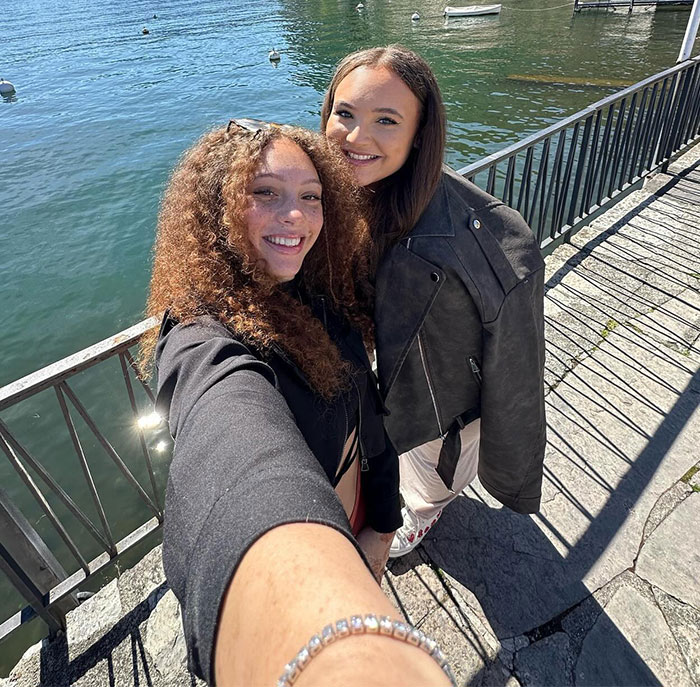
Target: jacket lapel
(403, 277)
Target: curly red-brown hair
(205, 264)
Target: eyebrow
(272, 175)
(387, 110)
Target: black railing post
(677, 98)
(583, 152)
(29, 564)
(625, 137)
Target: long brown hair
(205, 264)
(399, 201)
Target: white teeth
(355, 156)
(283, 241)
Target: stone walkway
(602, 587)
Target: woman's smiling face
(374, 118)
(285, 214)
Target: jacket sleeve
(240, 468)
(513, 424)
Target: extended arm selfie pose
(459, 297)
(254, 260)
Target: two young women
(458, 317)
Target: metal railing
(560, 176)
(29, 564)
(557, 178)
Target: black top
(242, 464)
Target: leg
(424, 493)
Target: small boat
(472, 10)
(415, 16)
(274, 56)
(6, 87)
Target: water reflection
(476, 58)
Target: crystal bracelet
(369, 624)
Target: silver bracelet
(369, 624)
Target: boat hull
(472, 10)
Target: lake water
(102, 113)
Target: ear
(416, 142)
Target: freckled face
(375, 119)
(285, 214)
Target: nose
(356, 135)
(290, 212)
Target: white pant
(421, 487)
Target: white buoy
(359, 6)
(6, 87)
(274, 56)
(415, 16)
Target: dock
(628, 4)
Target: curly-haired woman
(258, 247)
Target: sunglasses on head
(253, 125)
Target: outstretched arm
(294, 581)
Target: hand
(375, 546)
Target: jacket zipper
(430, 385)
(342, 443)
(323, 307)
(364, 463)
(360, 451)
(476, 371)
(425, 371)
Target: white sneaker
(411, 533)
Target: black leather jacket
(460, 335)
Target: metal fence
(557, 178)
(560, 176)
(28, 562)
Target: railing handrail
(49, 376)
(485, 162)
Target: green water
(102, 113)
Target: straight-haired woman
(459, 297)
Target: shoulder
(497, 227)
(198, 329)
(470, 196)
(198, 358)
(200, 348)
(179, 337)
